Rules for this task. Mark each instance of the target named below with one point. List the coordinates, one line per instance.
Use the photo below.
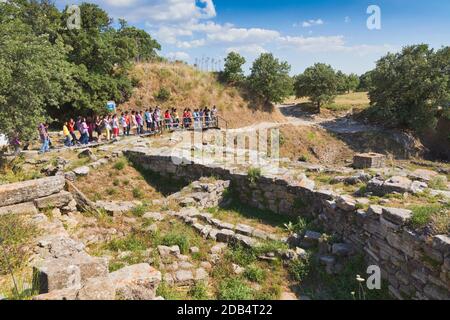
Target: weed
(175, 239)
(438, 183)
(138, 193)
(120, 165)
(255, 274)
(129, 243)
(234, 289)
(254, 174)
(199, 291)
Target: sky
(350, 35)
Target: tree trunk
(318, 107)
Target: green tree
(319, 83)
(34, 74)
(269, 79)
(365, 81)
(352, 82)
(233, 73)
(410, 88)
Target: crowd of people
(88, 129)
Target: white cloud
(312, 23)
(252, 49)
(120, 3)
(159, 11)
(179, 55)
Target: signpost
(111, 106)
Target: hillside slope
(191, 88)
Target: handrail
(223, 119)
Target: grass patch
(199, 291)
(120, 165)
(254, 174)
(169, 292)
(255, 273)
(132, 242)
(234, 289)
(435, 215)
(438, 183)
(176, 239)
(15, 235)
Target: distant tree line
(409, 89)
(50, 72)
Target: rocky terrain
(162, 218)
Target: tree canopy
(412, 88)
(233, 73)
(269, 79)
(319, 83)
(50, 72)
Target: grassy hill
(189, 87)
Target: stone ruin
(369, 160)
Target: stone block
(369, 160)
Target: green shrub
(163, 95)
(255, 274)
(15, 235)
(120, 165)
(199, 291)
(139, 211)
(111, 191)
(129, 243)
(234, 289)
(423, 215)
(254, 174)
(116, 182)
(438, 183)
(299, 269)
(241, 256)
(180, 240)
(138, 193)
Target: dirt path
(294, 115)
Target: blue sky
(301, 32)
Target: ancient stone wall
(415, 266)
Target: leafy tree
(352, 82)
(341, 81)
(269, 79)
(410, 88)
(232, 72)
(319, 83)
(34, 74)
(365, 81)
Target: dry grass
(109, 183)
(344, 102)
(312, 145)
(192, 88)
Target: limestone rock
(22, 208)
(137, 282)
(342, 249)
(56, 274)
(346, 203)
(156, 216)
(82, 171)
(369, 160)
(397, 216)
(117, 207)
(27, 191)
(57, 200)
(63, 294)
(97, 289)
(183, 277)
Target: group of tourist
(86, 129)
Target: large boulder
(30, 190)
(369, 160)
(137, 282)
(57, 200)
(22, 208)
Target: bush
(137, 193)
(423, 215)
(254, 174)
(234, 289)
(15, 233)
(199, 291)
(120, 165)
(130, 243)
(180, 240)
(299, 269)
(255, 274)
(163, 95)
